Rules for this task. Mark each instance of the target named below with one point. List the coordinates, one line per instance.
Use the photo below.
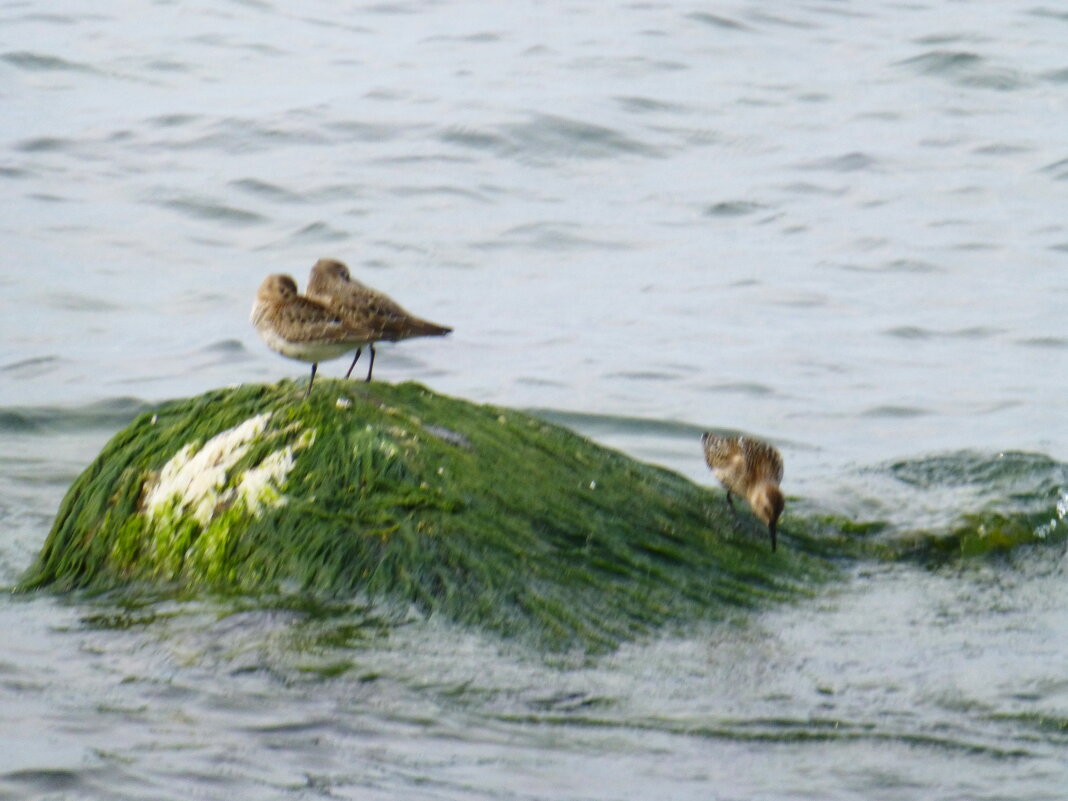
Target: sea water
(836, 225)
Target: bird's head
(277, 287)
(331, 270)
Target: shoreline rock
(489, 516)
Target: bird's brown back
(297, 318)
(741, 462)
(364, 308)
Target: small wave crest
(965, 69)
(547, 138)
(998, 501)
(41, 62)
(112, 413)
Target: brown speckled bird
(751, 469)
(365, 309)
(300, 328)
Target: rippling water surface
(838, 225)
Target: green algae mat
(488, 516)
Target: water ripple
(50, 19)
(919, 333)
(45, 144)
(207, 209)
(360, 131)
(174, 120)
(441, 190)
(1055, 76)
(166, 65)
(749, 388)
(645, 375)
(733, 208)
(107, 415)
(319, 232)
(546, 138)
(46, 782)
(806, 188)
(78, 302)
(33, 367)
(1058, 14)
(1005, 474)
(773, 19)
(1058, 169)
(893, 266)
(848, 162)
(649, 105)
(1055, 343)
(716, 21)
(964, 69)
(37, 62)
(242, 136)
(269, 191)
(895, 412)
(478, 140)
(549, 236)
(550, 134)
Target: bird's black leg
(315, 366)
(371, 366)
(730, 503)
(355, 359)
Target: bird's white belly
(307, 351)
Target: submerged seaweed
(995, 503)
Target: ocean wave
(111, 413)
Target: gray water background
(837, 225)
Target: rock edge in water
(489, 516)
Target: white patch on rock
(260, 485)
(199, 480)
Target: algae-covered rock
(486, 515)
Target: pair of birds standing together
(339, 314)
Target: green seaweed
(488, 516)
